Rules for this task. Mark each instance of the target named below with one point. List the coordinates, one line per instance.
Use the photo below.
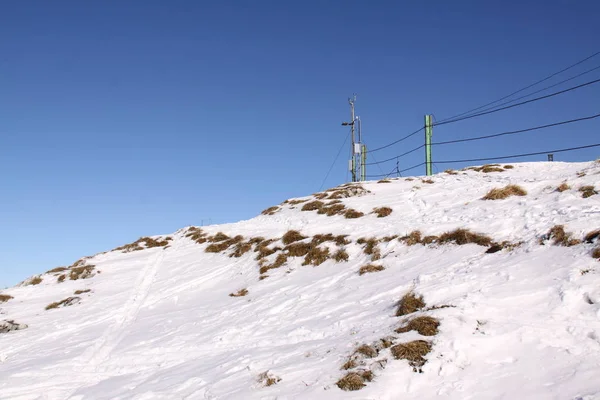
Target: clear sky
(120, 119)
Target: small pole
(428, 134)
(363, 162)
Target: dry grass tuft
(291, 237)
(137, 245)
(340, 240)
(350, 363)
(351, 381)
(268, 379)
(83, 272)
(36, 280)
(340, 255)
(430, 239)
(587, 191)
(316, 256)
(239, 293)
(409, 303)
(367, 351)
(351, 213)
(596, 253)
(426, 326)
(56, 270)
(69, 301)
(241, 248)
(451, 172)
(464, 236)
(223, 245)
(331, 209)
(298, 249)
(218, 237)
(509, 166)
(384, 181)
(196, 234)
(264, 250)
(412, 238)
(314, 205)
(5, 297)
(346, 191)
(270, 210)
(560, 237)
(370, 248)
(61, 278)
(414, 352)
(82, 291)
(581, 174)
(591, 236)
(296, 202)
(562, 187)
(496, 247)
(382, 211)
(429, 181)
(388, 238)
(491, 169)
(279, 261)
(503, 193)
(370, 268)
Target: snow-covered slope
(159, 322)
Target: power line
(520, 90)
(397, 141)
(400, 171)
(518, 131)
(334, 161)
(398, 156)
(520, 155)
(375, 162)
(543, 89)
(520, 104)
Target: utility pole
(428, 134)
(358, 151)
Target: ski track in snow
(524, 324)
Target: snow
(160, 324)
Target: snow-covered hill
(491, 299)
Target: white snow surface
(160, 324)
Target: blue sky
(125, 119)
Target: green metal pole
(363, 162)
(428, 134)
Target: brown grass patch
(491, 169)
(560, 237)
(241, 248)
(351, 213)
(340, 255)
(580, 174)
(61, 278)
(218, 237)
(279, 261)
(382, 211)
(69, 301)
(264, 250)
(314, 205)
(503, 193)
(340, 240)
(298, 249)
(409, 179)
(596, 253)
(591, 236)
(137, 245)
(222, 245)
(409, 303)
(388, 238)
(350, 363)
(412, 238)
(270, 210)
(428, 181)
(367, 351)
(509, 166)
(587, 191)
(296, 202)
(196, 234)
(464, 236)
(291, 237)
(430, 239)
(5, 297)
(84, 272)
(332, 209)
(451, 172)
(57, 269)
(370, 268)
(82, 291)
(562, 187)
(239, 293)
(316, 256)
(351, 381)
(36, 280)
(268, 379)
(384, 181)
(346, 191)
(370, 248)
(414, 352)
(426, 326)
(496, 247)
